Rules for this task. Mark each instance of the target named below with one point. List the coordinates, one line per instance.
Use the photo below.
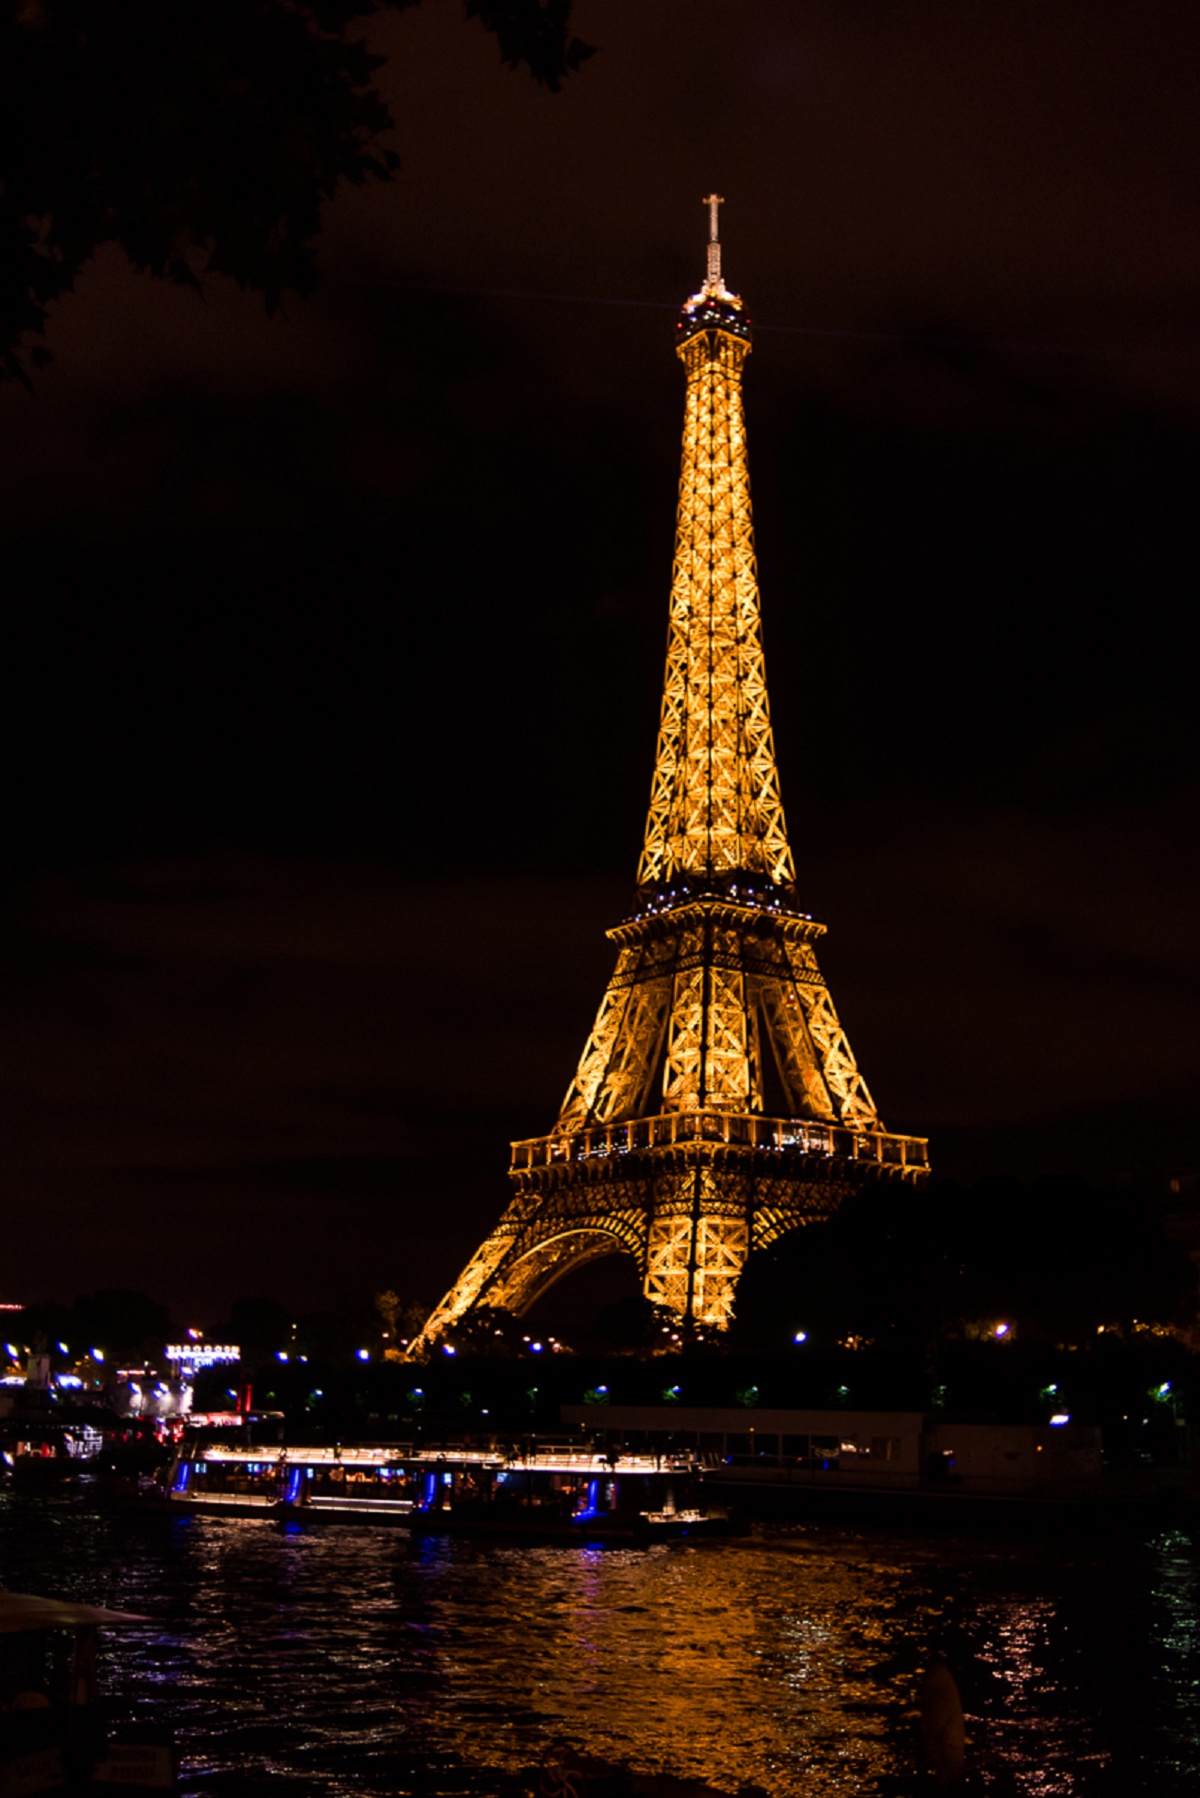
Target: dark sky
(335, 641)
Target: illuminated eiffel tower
(664, 1148)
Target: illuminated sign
(203, 1354)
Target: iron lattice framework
(717, 1104)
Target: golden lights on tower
(665, 1147)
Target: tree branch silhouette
(201, 136)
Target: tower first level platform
(665, 1148)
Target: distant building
(883, 1450)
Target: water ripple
(364, 1662)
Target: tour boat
(556, 1494)
(46, 1451)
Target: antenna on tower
(713, 282)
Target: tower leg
(698, 1242)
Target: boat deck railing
(547, 1461)
(383, 1456)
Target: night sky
(335, 641)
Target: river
(361, 1662)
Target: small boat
(560, 1494)
(52, 1733)
(42, 1451)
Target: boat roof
(26, 1611)
(276, 1455)
(541, 1460)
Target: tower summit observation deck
(666, 1147)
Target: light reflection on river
(358, 1661)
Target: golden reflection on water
(360, 1663)
(732, 1665)
(735, 1665)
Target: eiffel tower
(665, 1147)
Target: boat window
(795, 1447)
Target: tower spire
(714, 283)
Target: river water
(366, 1663)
